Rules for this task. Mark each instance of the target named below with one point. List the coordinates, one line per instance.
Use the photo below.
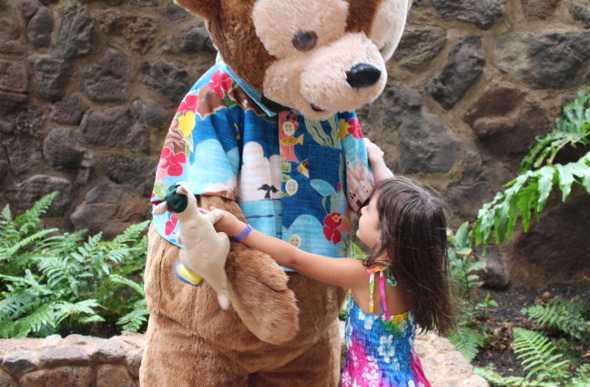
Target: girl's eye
(305, 41)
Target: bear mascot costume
(268, 133)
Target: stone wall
(82, 361)
(88, 88)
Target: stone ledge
(78, 360)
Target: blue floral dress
(381, 348)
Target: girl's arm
(377, 161)
(346, 272)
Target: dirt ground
(507, 315)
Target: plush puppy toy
(270, 134)
(205, 250)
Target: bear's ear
(207, 9)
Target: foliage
(573, 127)
(570, 317)
(528, 193)
(463, 269)
(546, 363)
(51, 282)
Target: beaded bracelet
(243, 234)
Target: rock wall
(88, 88)
(82, 361)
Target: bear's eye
(305, 41)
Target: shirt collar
(271, 108)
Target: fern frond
(571, 128)
(75, 311)
(134, 320)
(127, 282)
(572, 318)
(31, 218)
(527, 194)
(40, 319)
(537, 351)
(467, 341)
(132, 234)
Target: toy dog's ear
(160, 208)
(182, 188)
(207, 9)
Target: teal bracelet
(243, 234)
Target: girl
(404, 226)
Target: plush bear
(270, 134)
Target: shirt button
(288, 128)
(295, 240)
(291, 187)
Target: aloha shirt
(294, 178)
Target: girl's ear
(207, 9)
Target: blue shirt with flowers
(294, 178)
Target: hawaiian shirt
(294, 178)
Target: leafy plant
(570, 317)
(463, 269)
(55, 282)
(547, 363)
(528, 193)
(573, 127)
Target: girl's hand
(229, 224)
(374, 153)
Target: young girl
(404, 226)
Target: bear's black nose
(363, 75)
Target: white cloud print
(260, 178)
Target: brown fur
(179, 332)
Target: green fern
(572, 128)
(468, 341)
(527, 194)
(572, 318)
(52, 282)
(137, 317)
(537, 354)
(463, 265)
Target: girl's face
(369, 231)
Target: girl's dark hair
(414, 238)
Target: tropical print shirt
(294, 178)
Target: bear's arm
(258, 286)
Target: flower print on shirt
(334, 225)
(171, 164)
(352, 126)
(221, 82)
(171, 224)
(189, 104)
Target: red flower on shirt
(220, 82)
(333, 227)
(189, 103)
(171, 225)
(171, 162)
(355, 128)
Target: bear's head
(315, 56)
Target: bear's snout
(363, 75)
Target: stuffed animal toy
(205, 250)
(269, 133)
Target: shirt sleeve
(201, 147)
(359, 178)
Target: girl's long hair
(414, 243)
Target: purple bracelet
(243, 234)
